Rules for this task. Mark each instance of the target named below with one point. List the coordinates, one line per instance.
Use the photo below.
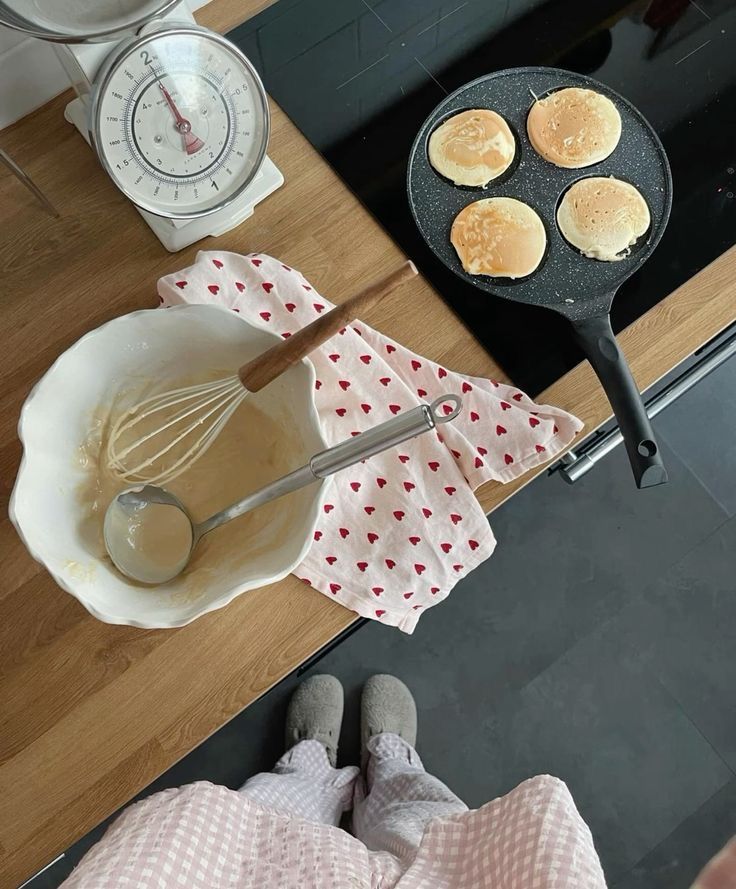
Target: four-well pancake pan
(577, 287)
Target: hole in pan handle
(596, 338)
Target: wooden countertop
(92, 713)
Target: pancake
(574, 127)
(501, 237)
(603, 217)
(473, 147)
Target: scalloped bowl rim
(227, 597)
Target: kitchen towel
(400, 530)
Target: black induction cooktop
(358, 77)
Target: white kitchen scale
(176, 113)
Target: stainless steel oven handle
(575, 464)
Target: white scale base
(175, 234)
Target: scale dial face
(180, 122)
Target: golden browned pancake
(501, 237)
(574, 127)
(603, 217)
(473, 147)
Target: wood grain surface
(91, 713)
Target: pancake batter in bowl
(253, 449)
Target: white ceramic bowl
(55, 420)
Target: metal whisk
(160, 437)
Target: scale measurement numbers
(169, 118)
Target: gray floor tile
(686, 625)
(602, 530)
(538, 595)
(677, 860)
(701, 428)
(601, 721)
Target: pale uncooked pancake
(501, 237)
(473, 147)
(603, 217)
(574, 127)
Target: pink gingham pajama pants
(391, 808)
(202, 836)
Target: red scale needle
(192, 143)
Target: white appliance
(175, 112)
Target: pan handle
(597, 340)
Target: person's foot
(387, 705)
(315, 713)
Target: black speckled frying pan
(579, 288)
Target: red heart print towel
(400, 530)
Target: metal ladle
(124, 519)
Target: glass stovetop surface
(358, 77)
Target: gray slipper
(315, 712)
(387, 705)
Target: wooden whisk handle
(270, 364)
